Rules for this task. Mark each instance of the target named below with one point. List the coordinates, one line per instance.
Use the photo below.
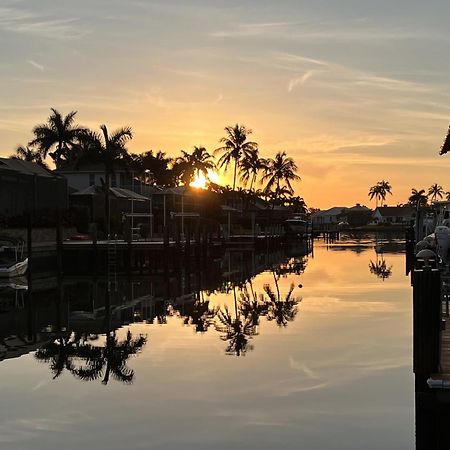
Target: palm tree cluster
(67, 143)
(419, 198)
(379, 191)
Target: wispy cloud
(36, 65)
(26, 22)
(253, 29)
(299, 81)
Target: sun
(201, 180)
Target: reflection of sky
(338, 377)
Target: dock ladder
(112, 262)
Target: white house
(401, 215)
(82, 176)
(328, 218)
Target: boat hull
(14, 270)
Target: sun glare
(201, 180)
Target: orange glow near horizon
(201, 180)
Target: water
(329, 369)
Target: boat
(12, 261)
(298, 226)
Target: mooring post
(59, 242)
(426, 320)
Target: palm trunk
(107, 205)
(252, 181)
(235, 171)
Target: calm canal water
(238, 364)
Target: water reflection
(239, 325)
(380, 269)
(74, 323)
(339, 359)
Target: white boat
(12, 261)
(298, 225)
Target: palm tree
(60, 134)
(281, 169)
(249, 167)
(110, 150)
(28, 154)
(157, 166)
(418, 198)
(375, 191)
(235, 147)
(297, 204)
(446, 145)
(385, 188)
(379, 191)
(192, 164)
(435, 191)
(447, 196)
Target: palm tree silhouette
(249, 167)
(235, 147)
(435, 191)
(379, 191)
(28, 154)
(158, 166)
(281, 169)
(188, 165)
(418, 198)
(108, 149)
(110, 360)
(60, 134)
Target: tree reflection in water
(238, 330)
(62, 352)
(67, 352)
(199, 314)
(380, 269)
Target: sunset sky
(355, 90)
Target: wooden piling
(426, 320)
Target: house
(394, 215)
(123, 203)
(328, 219)
(82, 175)
(356, 216)
(26, 186)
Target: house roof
(116, 192)
(395, 211)
(358, 207)
(24, 167)
(335, 211)
(75, 167)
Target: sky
(356, 91)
